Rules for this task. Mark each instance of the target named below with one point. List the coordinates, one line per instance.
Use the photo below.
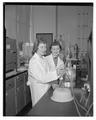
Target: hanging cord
(76, 101)
(85, 103)
(80, 104)
(87, 113)
(74, 97)
(77, 107)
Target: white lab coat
(51, 63)
(38, 77)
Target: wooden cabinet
(10, 104)
(20, 92)
(20, 98)
(17, 94)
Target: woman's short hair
(36, 44)
(56, 43)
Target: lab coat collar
(58, 61)
(37, 56)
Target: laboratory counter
(47, 107)
(15, 73)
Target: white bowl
(62, 95)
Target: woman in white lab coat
(39, 75)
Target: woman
(38, 73)
(53, 59)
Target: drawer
(20, 80)
(10, 83)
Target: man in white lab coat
(39, 74)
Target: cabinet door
(20, 80)
(10, 102)
(10, 97)
(27, 90)
(20, 97)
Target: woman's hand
(60, 71)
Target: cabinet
(20, 92)
(10, 104)
(17, 94)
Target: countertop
(15, 72)
(47, 107)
